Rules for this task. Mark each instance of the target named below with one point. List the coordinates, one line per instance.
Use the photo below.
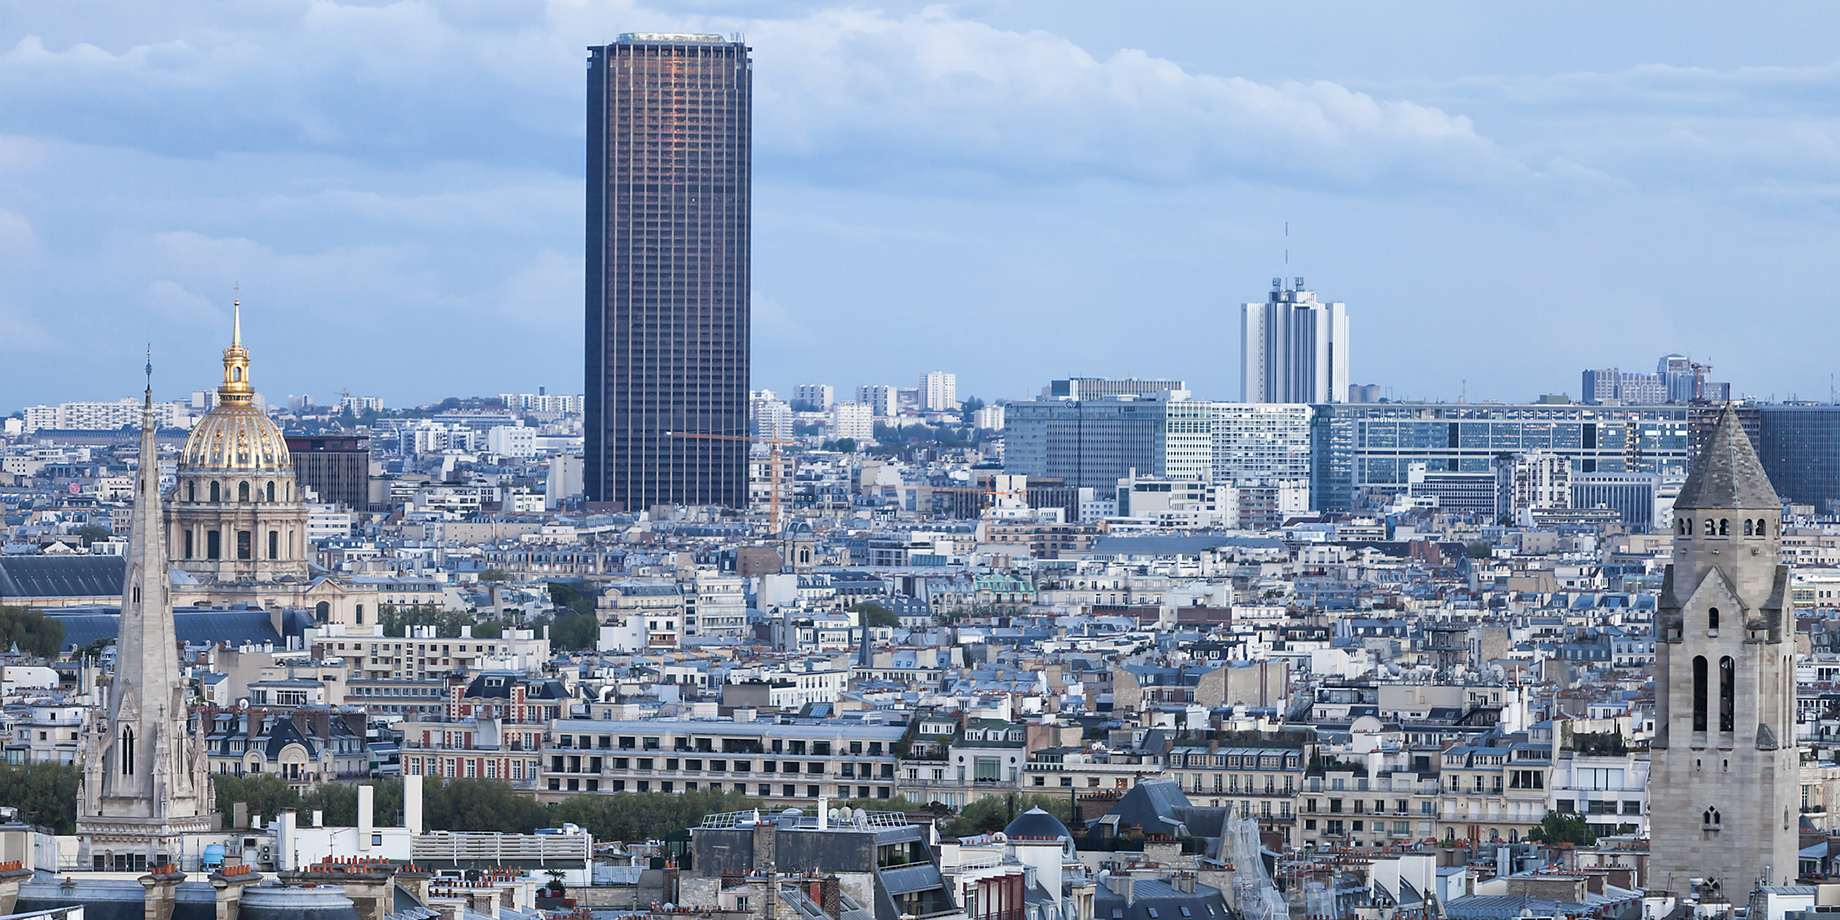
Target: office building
(1086, 388)
(1260, 441)
(938, 391)
(1294, 348)
(669, 192)
(1360, 452)
(1093, 444)
(1645, 501)
(335, 467)
(1610, 385)
(1800, 446)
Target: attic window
(1152, 911)
(495, 682)
(1185, 912)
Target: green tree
(480, 805)
(340, 803)
(573, 631)
(44, 793)
(397, 620)
(1559, 828)
(93, 649)
(488, 629)
(90, 533)
(647, 815)
(995, 812)
(969, 407)
(494, 575)
(1479, 550)
(874, 614)
(32, 631)
(265, 793)
(844, 445)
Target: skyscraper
(1294, 348)
(669, 190)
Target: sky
(1012, 190)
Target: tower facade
(669, 192)
(1293, 348)
(146, 780)
(237, 515)
(1723, 789)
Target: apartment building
(371, 655)
(1494, 790)
(782, 764)
(492, 728)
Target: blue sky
(1014, 191)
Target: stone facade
(1723, 783)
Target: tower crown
(1727, 473)
(236, 390)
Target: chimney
(824, 813)
(319, 818)
(284, 842)
(412, 805)
(364, 817)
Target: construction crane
(773, 459)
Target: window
(242, 491)
(216, 493)
(1710, 820)
(188, 544)
(1727, 694)
(243, 548)
(214, 542)
(1699, 693)
(271, 491)
(274, 545)
(1712, 619)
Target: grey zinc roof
(1727, 473)
(62, 576)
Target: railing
(494, 848)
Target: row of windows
(215, 492)
(214, 546)
(1759, 527)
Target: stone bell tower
(1723, 787)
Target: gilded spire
(236, 390)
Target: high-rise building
(1800, 446)
(669, 191)
(880, 399)
(1724, 794)
(1293, 348)
(772, 416)
(814, 397)
(336, 467)
(1538, 480)
(1091, 444)
(1085, 388)
(854, 421)
(1269, 441)
(938, 391)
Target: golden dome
(235, 435)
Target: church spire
(236, 390)
(1727, 473)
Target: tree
(844, 445)
(969, 407)
(32, 631)
(647, 815)
(397, 620)
(265, 793)
(480, 805)
(340, 803)
(1558, 828)
(994, 812)
(44, 793)
(90, 533)
(489, 629)
(1479, 550)
(494, 575)
(573, 631)
(874, 614)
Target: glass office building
(1800, 449)
(669, 187)
(1363, 451)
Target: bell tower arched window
(1699, 693)
(127, 750)
(1709, 820)
(1747, 527)
(1712, 618)
(1728, 694)
(1724, 527)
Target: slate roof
(62, 576)
(193, 627)
(1727, 472)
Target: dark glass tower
(669, 184)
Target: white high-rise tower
(1293, 348)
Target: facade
(880, 398)
(783, 764)
(145, 781)
(237, 513)
(669, 192)
(1534, 481)
(814, 397)
(1089, 388)
(1724, 782)
(772, 416)
(1261, 441)
(852, 420)
(337, 468)
(1644, 500)
(1800, 448)
(1092, 445)
(1293, 348)
(1360, 451)
(1610, 385)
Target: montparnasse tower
(237, 515)
(1723, 782)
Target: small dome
(231, 438)
(1036, 823)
